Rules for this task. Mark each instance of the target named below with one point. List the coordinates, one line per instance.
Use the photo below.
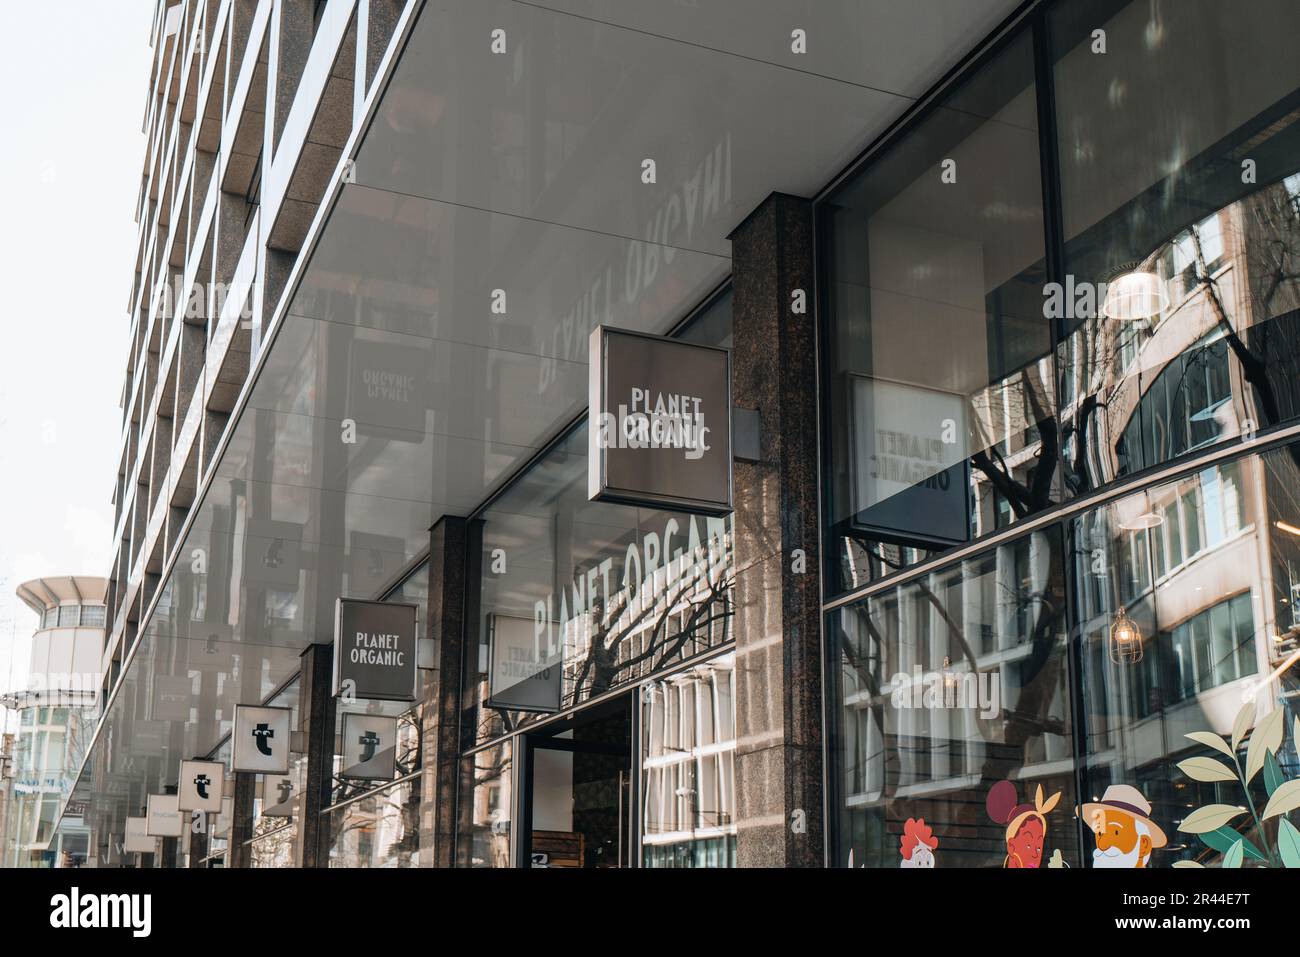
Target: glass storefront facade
(1059, 356)
(616, 597)
(1057, 346)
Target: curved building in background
(57, 707)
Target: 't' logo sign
(369, 742)
(201, 785)
(263, 734)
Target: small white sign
(261, 740)
(163, 817)
(369, 747)
(201, 786)
(909, 464)
(277, 795)
(137, 839)
(518, 678)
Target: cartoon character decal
(1121, 823)
(917, 844)
(1026, 824)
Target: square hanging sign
(374, 650)
(261, 740)
(659, 433)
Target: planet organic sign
(660, 429)
(374, 650)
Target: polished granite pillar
(453, 551)
(777, 625)
(198, 838)
(239, 853)
(316, 721)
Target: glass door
(578, 804)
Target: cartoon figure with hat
(1121, 822)
(1026, 824)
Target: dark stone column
(239, 853)
(199, 839)
(171, 846)
(452, 542)
(778, 630)
(316, 720)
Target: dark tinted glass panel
(1179, 153)
(939, 378)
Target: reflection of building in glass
(378, 830)
(689, 731)
(1209, 365)
(1155, 345)
(991, 628)
(1193, 560)
(1192, 563)
(57, 711)
(485, 829)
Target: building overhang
(50, 591)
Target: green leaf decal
(1188, 864)
(1273, 778)
(1212, 740)
(1232, 860)
(1241, 724)
(1266, 737)
(1285, 798)
(1224, 837)
(1210, 818)
(1288, 843)
(1206, 770)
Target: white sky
(73, 83)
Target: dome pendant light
(1134, 294)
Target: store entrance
(578, 797)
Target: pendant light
(1134, 294)
(1125, 639)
